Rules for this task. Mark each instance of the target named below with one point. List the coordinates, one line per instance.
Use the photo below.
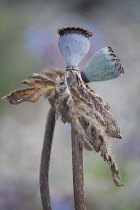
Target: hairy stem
(45, 161)
(78, 177)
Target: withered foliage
(78, 105)
(41, 86)
(89, 115)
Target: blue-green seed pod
(104, 65)
(74, 44)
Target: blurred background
(28, 43)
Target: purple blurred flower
(42, 44)
(59, 204)
(97, 41)
(131, 147)
(16, 195)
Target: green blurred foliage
(15, 62)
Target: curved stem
(45, 161)
(78, 176)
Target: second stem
(78, 176)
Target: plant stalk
(78, 175)
(45, 160)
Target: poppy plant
(74, 102)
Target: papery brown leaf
(44, 84)
(38, 76)
(55, 74)
(51, 74)
(112, 128)
(38, 83)
(38, 88)
(89, 115)
(29, 94)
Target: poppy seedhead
(103, 65)
(74, 44)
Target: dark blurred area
(28, 43)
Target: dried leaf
(38, 88)
(29, 94)
(112, 128)
(38, 83)
(89, 115)
(38, 76)
(55, 74)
